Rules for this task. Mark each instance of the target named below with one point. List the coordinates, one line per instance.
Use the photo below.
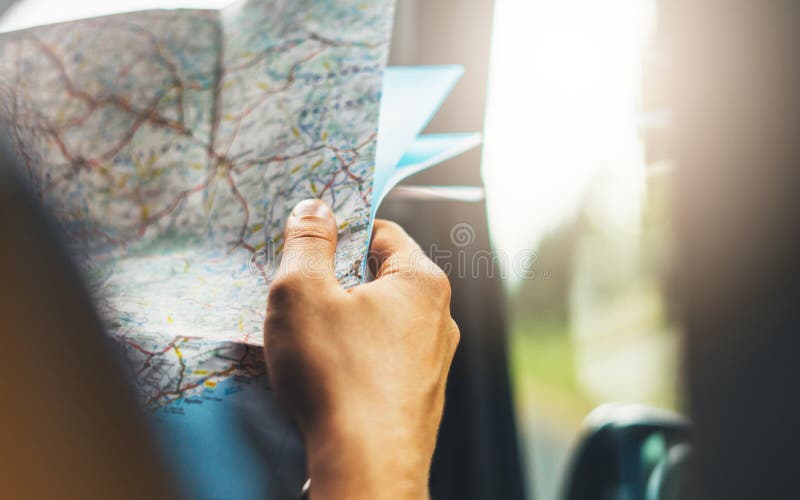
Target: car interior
(640, 344)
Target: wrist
(356, 461)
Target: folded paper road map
(171, 146)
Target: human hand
(361, 371)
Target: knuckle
(380, 241)
(284, 290)
(454, 334)
(309, 232)
(439, 283)
(361, 299)
(428, 274)
(390, 235)
(383, 243)
(276, 324)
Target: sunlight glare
(562, 112)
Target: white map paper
(171, 146)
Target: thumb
(309, 241)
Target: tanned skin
(361, 371)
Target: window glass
(575, 180)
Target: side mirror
(630, 452)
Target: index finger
(395, 254)
(392, 250)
